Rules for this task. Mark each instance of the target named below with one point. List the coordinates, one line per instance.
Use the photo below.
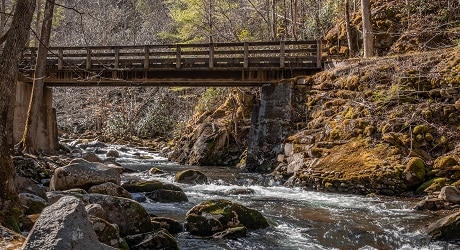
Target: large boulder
(160, 239)
(191, 176)
(110, 188)
(450, 194)
(96, 210)
(128, 214)
(227, 213)
(64, 225)
(32, 204)
(446, 228)
(91, 157)
(83, 174)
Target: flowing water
(299, 219)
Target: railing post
(211, 55)
(178, 56)
(116, 64)
(88, 59)
(318, 54)
(282, 53)
(246, 55)
(60, 59)
(117, 58)
(146, 58)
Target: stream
(299, 219)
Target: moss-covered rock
(415, 172)
(229, 215)
(432, 185)
(446, 165)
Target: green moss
(431, 185)
(420, 129)
(445, 162)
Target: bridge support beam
(271, 124)
(46, 138)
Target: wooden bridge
(218, 64)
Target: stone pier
(271, 123)
(46, 138)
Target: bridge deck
(220, 64)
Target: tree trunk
(28, 140)
(9, 60)
(3, 18)
(368, 39)
(351, 51)
(37, 23)
(272, 18)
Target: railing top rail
(182, 45)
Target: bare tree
(368, 39)
(9, 60)
(28, 139)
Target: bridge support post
(47, 136)
(271, 124)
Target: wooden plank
(117, 58)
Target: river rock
(165, 196)
(446, 228)
(26, 185)
(113, 154)
(156, 171)
(91, 157)
(32, 204)
(96, 210)
(173, 226)
(110, 188)
(54, 196)
(10, 239)
(128, 214)
(203, 225)
(63, 225)
(231, 233)
(450, 194)
(83, 174)
(106, 232)
(191, 176)
(137, 186)
(432, 204)
(229, 215)
(160, 239)
(240, 191)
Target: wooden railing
(231, 56)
